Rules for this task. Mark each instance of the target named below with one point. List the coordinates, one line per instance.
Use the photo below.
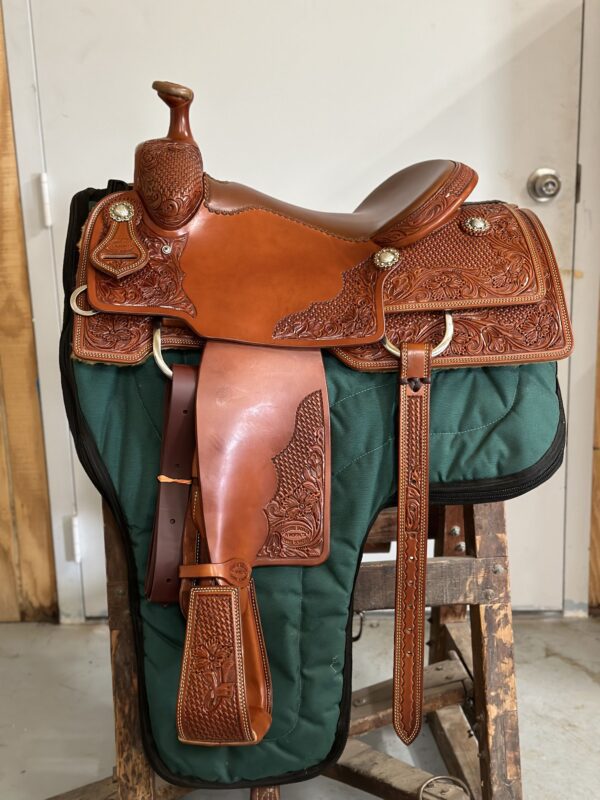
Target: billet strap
(174, 480)
(261, 483)
(411, 556)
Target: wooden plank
(10, 595)
(458, 636)
(265, 793)
(496, 701)
(32, 554)
(597, 406)
(595, 526)
(449, 540)
(384, 776)
(445, 683)
(134, 774)
(458, 746)
(494, 671)
(450, 580)
(594, 589)
(384, 531)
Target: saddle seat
(416, 199)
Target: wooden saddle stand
(414, 280)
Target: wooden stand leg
(469, 570)
(493, 664)
(265, 793)
(473, 574)
(447, 528)
(449, 725)
(133, 773)
(134, 778)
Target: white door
(315, 103)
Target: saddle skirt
(415, 279)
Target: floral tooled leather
(124, 338)
(536, 331)
(295, 515)
(452, 269)
(159, 283)
(351, 313)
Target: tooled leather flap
(253, 278)
(483, 258)
(502, 333)
(263, 454)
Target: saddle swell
(262, 287)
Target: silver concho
(476, 226)
(122, 211)
(167, 249)
(386, 258)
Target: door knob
(544, 184)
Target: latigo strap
(174, 480)
(411, 554)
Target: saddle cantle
(415, 279)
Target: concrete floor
(56, 718)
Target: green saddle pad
(495, 433)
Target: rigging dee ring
(437, 350)
(157, 352)
(73, 303)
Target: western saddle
(415, 279)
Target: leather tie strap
(177, 453)
(411, 554)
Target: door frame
(45, 282)
(585, 280)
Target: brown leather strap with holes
(411, 557)
(177, 453)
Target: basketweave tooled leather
(261, 287)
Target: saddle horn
(168, 172)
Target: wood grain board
(595, 522)
(27, 578)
